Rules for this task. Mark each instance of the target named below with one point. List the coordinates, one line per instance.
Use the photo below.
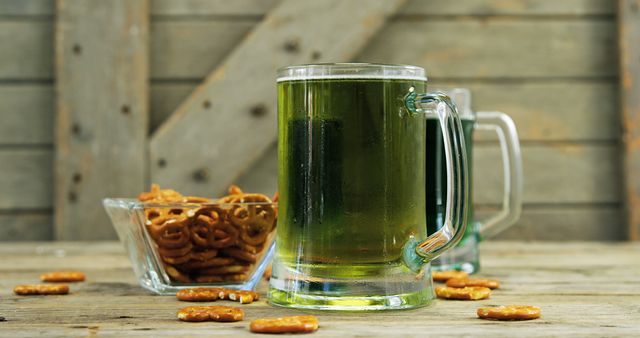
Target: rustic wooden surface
(583, 289)
(428, 7)
(102, 68)
(567, 110)
(230, 119)
(629, 40)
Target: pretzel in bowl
(212, 241)
(255, 220)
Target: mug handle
(503, 125)
(456, 207)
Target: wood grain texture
(629, 39)
(498, 48)
(554, 173)
(566, 280)
(26, 226)
(212, 7)
(490, 48)
(480, 49)
(517, 7)
(224, 137)
(27, 50)
(26, 7)
(164, 99)
(26, 179)
(562, 110)
(192, 49)
(561, 223)
(413, 7)
(102, 94)
(27, 112)
(428, 7)
(559, 110)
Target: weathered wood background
(551, 65)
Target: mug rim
(351, 70)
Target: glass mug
(464, 256)
(351, 229)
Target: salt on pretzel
(509, 312)
(293, 324)
(214, 313)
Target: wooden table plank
(586, 289)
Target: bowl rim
(134, 203)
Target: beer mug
(352, 148)
(464, 256)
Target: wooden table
(585, 289)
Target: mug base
(350, 303)
(316, 287)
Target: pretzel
(224, 235)
(243, 297)
(176, 274)
(238, 277)
(267, 272)
(443, 276)
(196, 199)
(509, 312)
(252, 249)
(202, 230)
(466, 293)
(225, 270)
(198, 295)
(234, 190)
(62, 276)
(204, 255)
(209, 243)
(170, 232)
(293, 324)
(177, 260)
(210, 313)
(179, 252)
(160, 195)
(240, 254)
(215, 261)
(209, 279)
(41, 289)
(463, 282)
(256, 220)
(153, 213)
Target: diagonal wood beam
(629, 40)
(230, 119)
(102, 111)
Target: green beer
(352, 231)
(351, 186)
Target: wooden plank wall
(629, 41)
(102, 71)
(550, 64)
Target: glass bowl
(173, 246)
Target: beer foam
(351, 77)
